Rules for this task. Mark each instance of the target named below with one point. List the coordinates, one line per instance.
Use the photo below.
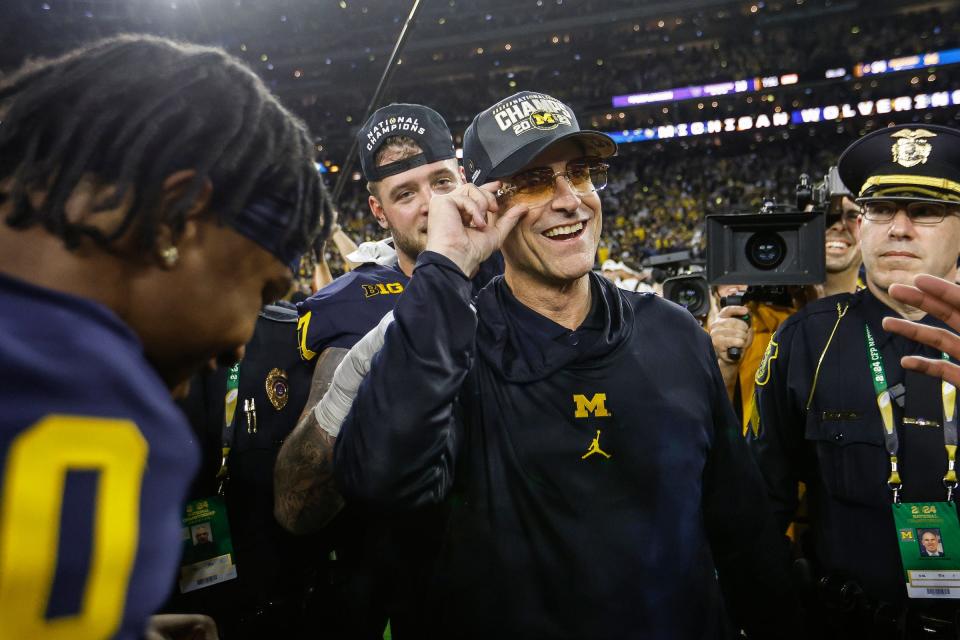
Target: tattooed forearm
(304, 495)
(322, 377)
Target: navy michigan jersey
(95, 459)
(351, 305)
(354, 303)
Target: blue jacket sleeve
(751, 555)
(397, 447)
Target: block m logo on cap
(595, 406)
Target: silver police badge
(911, 146)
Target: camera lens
(766, 250)
(689, 297)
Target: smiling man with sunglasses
(838, 412)
(571, 431)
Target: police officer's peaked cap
(913, 161)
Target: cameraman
(729, 329)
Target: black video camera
(771, 250)
(778, 246)
(690, 291)
(823, 195)
(681, 283)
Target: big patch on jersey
(381, 289)
(763, 371)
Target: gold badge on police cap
(278, 388)
(911, 146)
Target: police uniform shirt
(275, 569)
(833, 440)
(95, 460)
(594, 477)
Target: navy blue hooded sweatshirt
(595, 480)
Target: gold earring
(170, 256)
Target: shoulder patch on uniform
(763, 371)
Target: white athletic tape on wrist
(332, 410)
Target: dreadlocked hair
(131, 110)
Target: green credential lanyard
(949, 396)
(229, 414)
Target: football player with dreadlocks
(153, 196)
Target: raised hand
(466, 225)
(729, 330)
(941, 299)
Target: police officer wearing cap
(241, 415)
(875, 444)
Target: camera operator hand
(729, 330)
(466, 226)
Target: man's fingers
(489, 190)
(937, 297)
(470, 210)
(942, 298)
(485, 202)
(938, 368)
(944, 289)
(505, 223)
(731, 332)
(181, 626)
(480, 199)
(732, 312)
(722, 343)
(729, 324)
(491, 187)
(938, 338)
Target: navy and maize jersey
(95, 460)
(354, 303)
(596, 480)
(346, 309)
(381, 558)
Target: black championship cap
(503, 139)
(415, 121)
(916, 162)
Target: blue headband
(265, 220)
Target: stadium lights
(904, 63)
